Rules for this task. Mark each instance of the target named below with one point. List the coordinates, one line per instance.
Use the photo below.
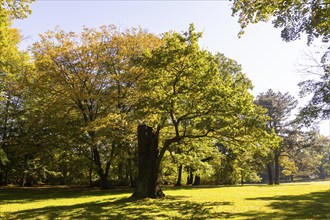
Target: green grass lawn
(286, 201)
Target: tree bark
(24, 174)
(197, 181)
(90, 173)
(242, 177)
(277, 167)
(270, 174)
(190, 177)
(147, 185)
(178, 183)
(102, 174)
(322, 174)
(131, 176)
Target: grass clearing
(286, 201)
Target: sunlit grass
(287, 201)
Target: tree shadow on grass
(314, 205)
(27, 195)
(198, 187)
(171, 207)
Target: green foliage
(188, 93)
(279, 107)
(294, 17)
(87, 92)
(87, 83)
(3, 157)
(239, 164)
(318, 107)
(17, 9)
(70, 115)
(14, 66)
(310, 152)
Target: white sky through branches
(267, 60)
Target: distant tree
(310, 152)
(279, 107)
(195, 156)
(241, 163)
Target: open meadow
(286, 201)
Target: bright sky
(267, 60)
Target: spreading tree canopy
(87, 83)
(188, 93)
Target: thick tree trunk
(197, 181)
(270, 174)
(147, 185)
(178, 183)
(277, 168)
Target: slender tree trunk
(24, 178)
(270, 174)
(1, 178)
(277, 167)
(242, 178)
(6, 177)
(147, 185)
(190, 177)
(120, 173)
(90, 173)
(24, 174)
(130, 173)
(321, 172)
(178, 183)
(132, 180)
(197, 181)
(102, 174)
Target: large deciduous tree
(13, 67)
(85, 87)
(187, 93)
